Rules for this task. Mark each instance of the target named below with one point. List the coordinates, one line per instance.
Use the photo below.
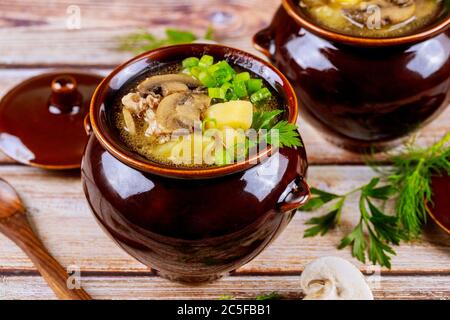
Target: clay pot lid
(439, 210)
(41, 119)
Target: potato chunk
(331, 17)
(235, 114)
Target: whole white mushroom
(333, 278)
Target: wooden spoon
(14, 224)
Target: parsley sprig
(407, 183)
(279, 134)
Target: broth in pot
(374, 18)
(199, 112)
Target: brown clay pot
(361, 92)
(439, 208)
(190, 225)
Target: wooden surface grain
(34, 38)
(237, 286)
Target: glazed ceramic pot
(190, 225)
(361, 92)
(439, 208)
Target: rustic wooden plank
(60, 215)
(240, 287)
(319, 150)
(27, 23)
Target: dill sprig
(407, 183)
(411, 175)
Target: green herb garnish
(279, 134)
(225, 297)
(269, 296)
(406, 183)
(223, 82)
(142, 41)
(411, 175)
(265, 296)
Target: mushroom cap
(158, 80)
(334, 278)
(181, 110)
(390, 11)
(172, 87)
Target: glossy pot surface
(361, 93)
(189, 226)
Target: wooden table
(34, 39)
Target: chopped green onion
(206, 61)
(243, 76)
(225, 65)
(260, 95)
(230, 96)
(195, 71)
(206, 79)
(216, 93)
(240, 89)
(190, 62)
(222, 80)
(254, 85)
(222, 157)
(222, 71)
(226, 86)
(222, 76)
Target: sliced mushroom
(172, 87)
(390, 11)
(201, 89)
(333, 278)
(189, 112)
(129, 121)
(181, 110)
(165, 114)
(153, 82)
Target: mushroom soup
(374, 18)
(198, 112)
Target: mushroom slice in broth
(374, 18)
(172, 87)
(181, 110)
(390, 12)
(158, 81)
(129, 121)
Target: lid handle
(65, 97)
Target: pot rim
(429, 32)
(155, 168)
